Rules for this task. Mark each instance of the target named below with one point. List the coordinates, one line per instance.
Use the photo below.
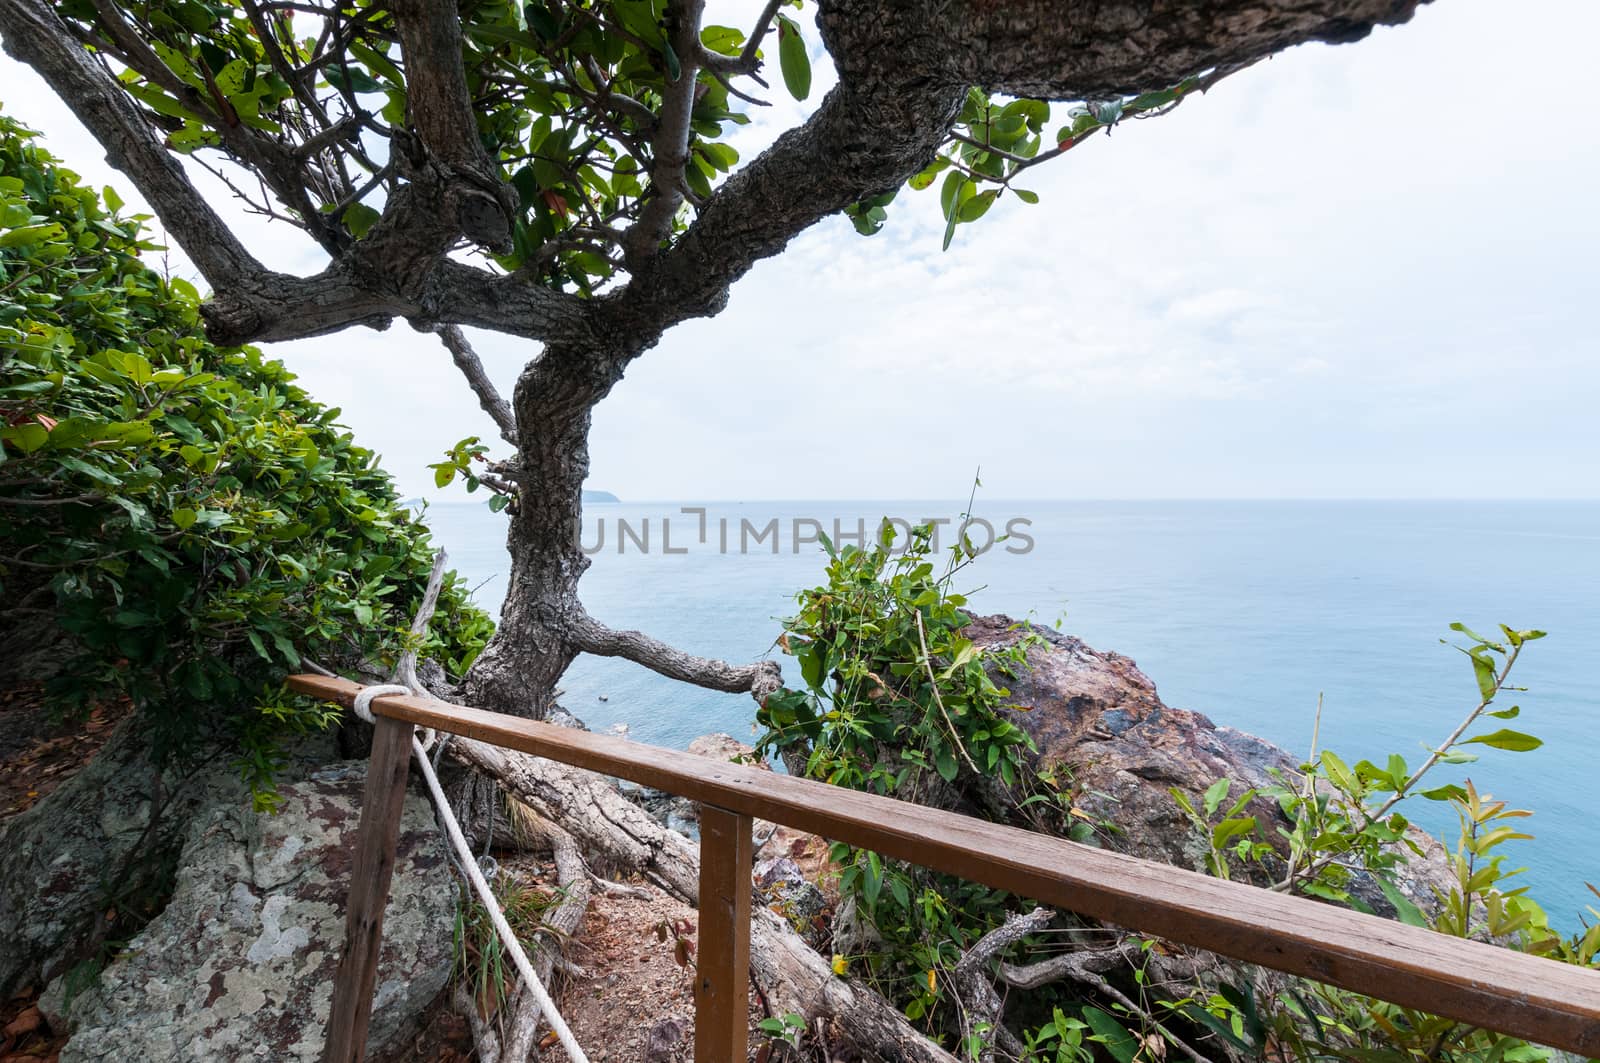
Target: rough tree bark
(904, 69)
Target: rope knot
(364, 696)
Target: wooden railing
(1542, 1000)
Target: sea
(1247, 611)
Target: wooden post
(376, 842)
(722, 964)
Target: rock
(92, 830)
(728, 748)
(240, 964)
(782, 886)
(1096, 715)
(661, 1044)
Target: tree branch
(670, 144)
(758, 679)
(405, 670)
(441, 110)
(978, 995)
(471, 366)
(1034, 48)
(746, 62)
(1088, 967)
(278, 306)
(903, 71)
(35, 36)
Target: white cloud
(1336, 274)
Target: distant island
(600, 496)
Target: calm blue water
(1242, 610)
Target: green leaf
(1340, 772)
(1214, 795)
(1122, 1045)
(1473, 635)
(793, 58)
(1484, 672)
(1408, 912)
(1026, 196)
(872, 882)
(1516, 741)
(945, 763)
(33, 234)
(28, 437)
(359, 219)
(978, 205)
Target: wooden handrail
(1545, 1001)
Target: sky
(1363, 271)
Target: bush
(191, 521)
(896, 700)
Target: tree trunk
(536, 641)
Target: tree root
(620, 836)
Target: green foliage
(995, 141)
(479, 958)
(894, 693)
(567, 98)
(1345, 822)
(897, 700)
(787, 1029)
(191, 519)
(1349, 819)
(543, 77)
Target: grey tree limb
(670, 142)
(440, 107)
(471, 366)
(982, 1005)
(759, 679)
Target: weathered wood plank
(372, 869)
(722, 956)
(1547, 1002)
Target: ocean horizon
(1245, 610)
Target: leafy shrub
(192, 521)
(1349, 819)
(897, 701)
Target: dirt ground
(37, 755)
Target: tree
(179, 523)
(553, 171)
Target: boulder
(1098, 721)
(240, 964)
(92, 839)
(782, 886)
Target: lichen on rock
(240, 964)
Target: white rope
(364, 696)
(363, 707)
(480, 885)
